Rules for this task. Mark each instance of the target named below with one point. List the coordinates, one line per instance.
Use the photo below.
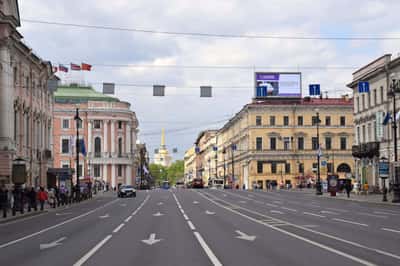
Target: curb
(25, 215)
(388, 203)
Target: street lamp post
(318, 184)
(77, 119)
(224, 152)
(395, 88)
(233, 147)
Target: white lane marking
(338, 210)
(128, 219)
(118, 228)
(182, 211)
(158, 214)
(82, 260)
(52, 244)
(289, 209)
(339, 239)
(372, 215)
(245, 236)
(186, 217)
(322, 246)
(330, 212)
(194, 202)
(242, 201)
(313, 214)
(63, 213)
(207, 250)
(315, 206)
(277, 202)
(271, 205)
(274, 211)
(152, 240)
(385, 213)
(160, 203)
(311, 225)
(349, 222)
(104, 216)
(191, 225)
(56, 225)
(209, 213)
(123, 205)
(391, 230)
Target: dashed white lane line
(207, 249)
(275, 211)
(289, 209)
(57, 225)
(314, 214)
(391, 230)
(128, 219)
(372, 215)
(338, 210)
(330, 212)
(271, 205)
(118, 228)
(385, 213)
(186, 217)
(191, 225)
(92, 251)
(349, 222)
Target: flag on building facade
(82, 148)
(386, 119)
(75, 67)
(62, 68)
(145, 170)
(86, 67)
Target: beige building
(109, 129)
(373, 140)
(275, 142)
(205, 155)
(26, 103)
(190, 165)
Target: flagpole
(318, 184)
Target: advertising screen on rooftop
(277, 85)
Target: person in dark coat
(3, 201)
(31, 196)
(347, 187)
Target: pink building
(109, 130)
(25, 103)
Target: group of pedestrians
(18, 199)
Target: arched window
(344, 168)
(119, 147)
(97, 147)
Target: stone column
(105, 136)
(6, 99)
(113, 178)
(128, 139)
(105, 179)
(90, 138)
(112, 137)
(128, 175)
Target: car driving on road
(126, 191)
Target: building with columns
(26, 103)
(162, 157)
(109, 130)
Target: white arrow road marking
(64, 213)
(245, 236)
(104, 216)
(123, 204)
(158, 214)
(209, 213)
(152, 240)
(52, 244)
(195, 202)
(160, 203)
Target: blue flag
(386, 119)
(82, 147)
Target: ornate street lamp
(318, 183)
(77, 119)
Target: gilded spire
(162, 137)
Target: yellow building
(205, 156)
(190, 165)
(275, 142)
(162, 157)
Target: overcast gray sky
(182, 113)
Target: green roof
(80, 94)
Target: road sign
(383, 170)
(315, 89)
(205, 91)
(363, 86)
(323, 163)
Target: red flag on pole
(86, 67)
(55, 69)
(62, 68)
(75, 67)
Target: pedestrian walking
(52, 198)
(31, 196)
(57, 196)
(3, 201)
(42, 197)
(347, 187)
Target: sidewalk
(47, 208)
(370, 198)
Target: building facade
(275, 142)
(190, 166)
(205, 155)
(109, 130)
(26, 103)
(373, 140)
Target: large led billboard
(277, 84)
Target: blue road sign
(315, 89)
(233, 147)
(197, 150)
(215, 148)
(323, 163)
(363, 86)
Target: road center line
(186, 217)
(128, 219)
(391, 230)
(289, 209)
(56, 225)
(372, 215)
(349, 222)
(191, 225)
(82, 260)
(118, 228)
(207, 250)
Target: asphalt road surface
(207, 227)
